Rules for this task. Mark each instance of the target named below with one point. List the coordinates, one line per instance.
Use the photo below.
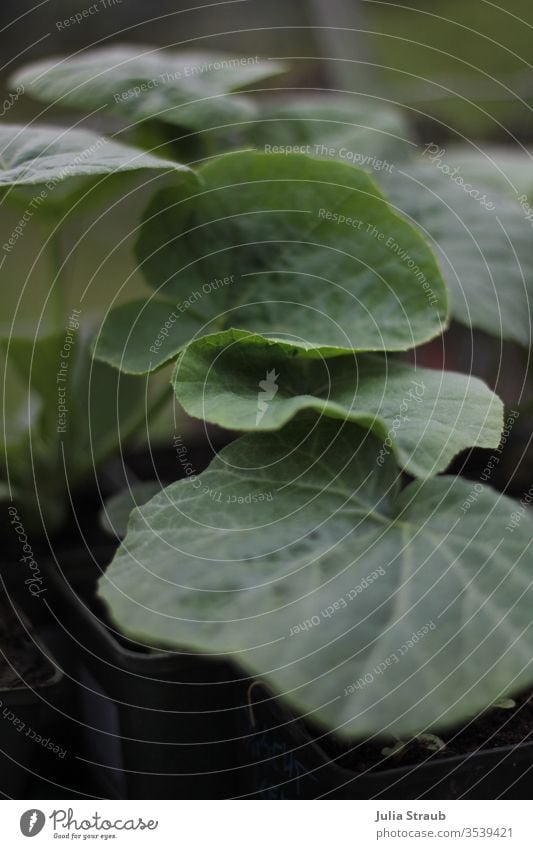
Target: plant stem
(162, 398)
(131, 429)
(58, 277)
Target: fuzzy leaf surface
(419, 612)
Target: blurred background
(462, 67)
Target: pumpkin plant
(323, 551)
(320, 551)
(63, 414)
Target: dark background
(465, 63)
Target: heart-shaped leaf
(486, 253)
(43, 166)
(241, 382)
(189, 89)
(291, 247)
(369, 610)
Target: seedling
(288, 522)
(504, 704)
(285, 288)
(430, 742)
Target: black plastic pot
(169, 725)
(287, 763)
(156, 725)
(48, 713)
(30, 739)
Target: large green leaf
(368, 609)
(486, 254)
(373, 136)
(43, 166)
(426, 417)
(188, 89)
(292, 247)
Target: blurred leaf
(509, 170)
(46, 166)
(486, 254)
(347, 128)
(188, 89)
(81, 412)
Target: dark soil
(21, 662)
(494, 728)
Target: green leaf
(369, 610)
(189, 89)
(242, 382)
(291, 247)
(345, 128)
(486, 255)
(116, 511)
(44, 166)
(508, 170)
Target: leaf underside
(370, 610)
(240, 382)
(188, 89)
